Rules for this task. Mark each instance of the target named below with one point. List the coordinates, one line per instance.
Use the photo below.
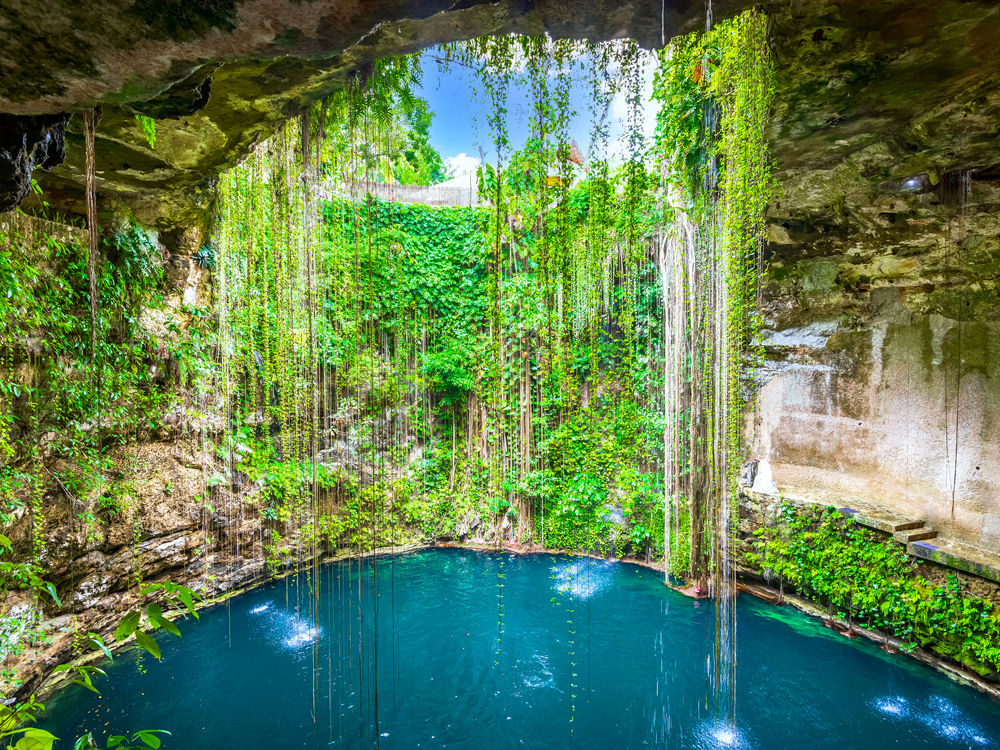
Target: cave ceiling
(869, 94)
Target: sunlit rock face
(881, 308)
(881, 336)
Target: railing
(427, 195)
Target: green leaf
(88, 684)
(186, 596)
(155, 615)
(8, 719)
(148, 736)
(127, 626)
(148, 127)
(98, 642)
(86, 742)
(35, 739)
(52, 592)
(147, 643)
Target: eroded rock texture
(882, 303)
(227, 73)
(25, 143)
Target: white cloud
(618, 148)
(462, 164)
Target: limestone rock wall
(145, 513)
(882, 333)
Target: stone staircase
(903, 529)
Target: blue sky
(460, 125)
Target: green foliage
(478, 358)
(147, 738)
(23, 575)
(132, 624)
(449, 369)
(682, 86)
(379, 99)
(205, 258)
(46, 303)
(148, 125)
(715, 173)
(422, 163)
(19, 737)
(84, 671)
(869, 578)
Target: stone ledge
(887, 522)
(956, 556)
(920, 542)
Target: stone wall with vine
(96, 448)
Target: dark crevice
(27, 142)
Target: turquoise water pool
(459, 649)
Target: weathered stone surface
(264, 60)
(26, 143)
(879, 377)
(868, 96)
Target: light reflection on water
(536, 672)
(716, 734)
(289, 629)
(582, 578)
(590, 655)
(939, 715)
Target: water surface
(459, 649)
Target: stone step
(887, 522)
(959, 557)
(914, 535)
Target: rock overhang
(868, 94)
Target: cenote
(461, 649)
(557, 374)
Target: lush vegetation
(866, 577)
(563, 365)
(712, 158)
(542, 369)
(496, 364)
(66, 413)
(502, 363)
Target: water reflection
(893, 707)
(537, 673)
(582, 578)
(717, 734)
(593, 655)
(288, 629)
(938, 714)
